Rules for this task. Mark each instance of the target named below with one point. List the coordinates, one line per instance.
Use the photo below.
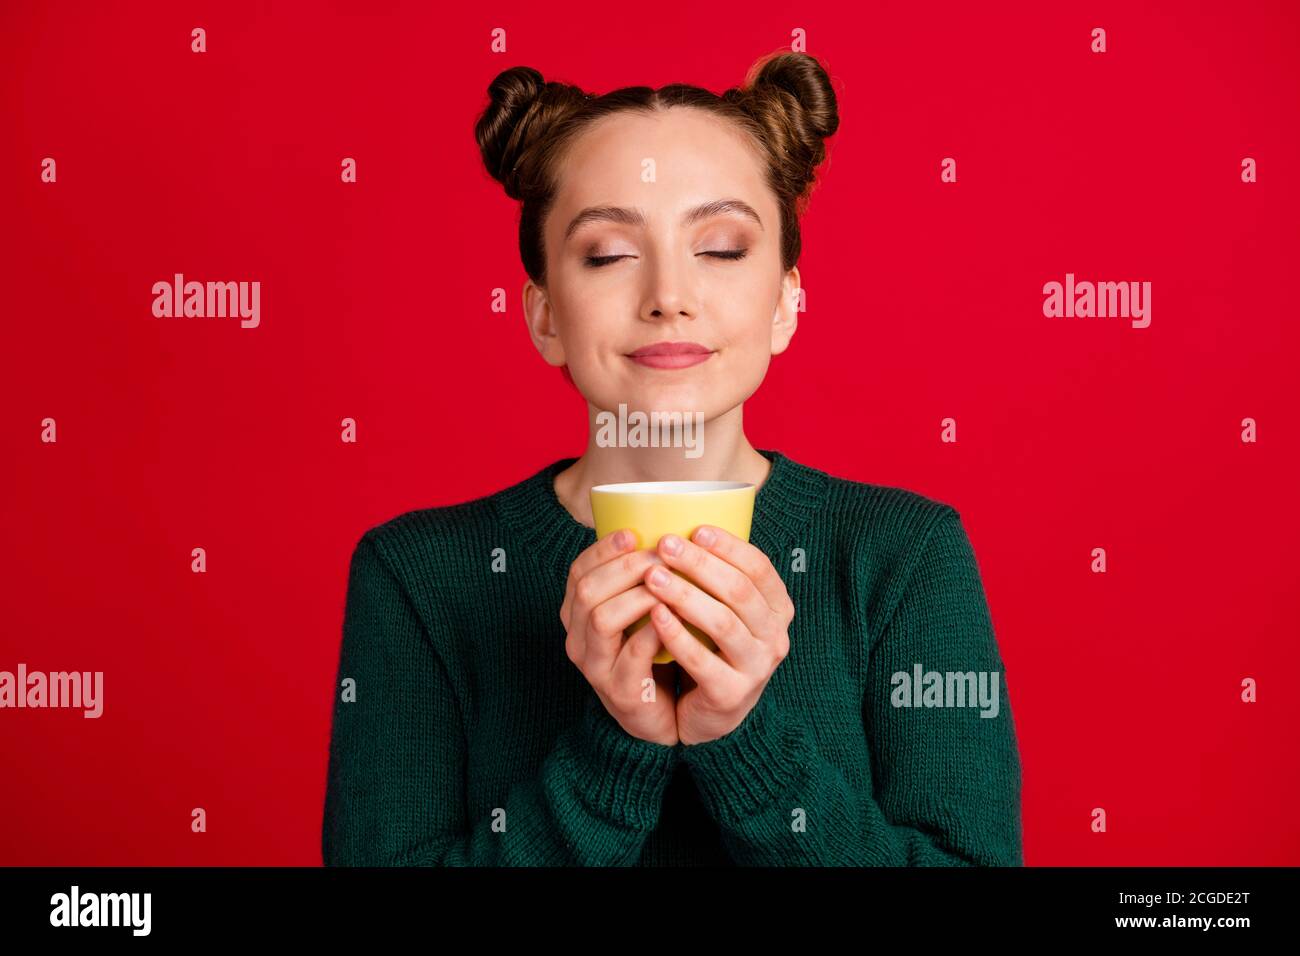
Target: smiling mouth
(671, 355)
(681, 360)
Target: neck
(724, 454)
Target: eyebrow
(635, 217)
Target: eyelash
(596, 262)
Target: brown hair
(786, 105)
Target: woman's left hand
(748, 621)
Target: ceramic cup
(652, 509)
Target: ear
(541, 323)
(785, 318)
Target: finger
(608, 547)
(751, 561)
(734, 640)
(696, 660)
(604, 630)
(614, 576)
(618, 574)
(724, 581)
(636, 660)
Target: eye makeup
(596, 262)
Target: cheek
(749, 349)
(753, 328)
(578, 321)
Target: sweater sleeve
(947, 787)
(395, 791)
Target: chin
(666, 398)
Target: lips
(671, 348)
(671, 354)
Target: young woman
(490, 710)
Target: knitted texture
(468, 737)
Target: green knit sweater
(462, 735)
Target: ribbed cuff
(621, 777)
(759, 761)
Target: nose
(669, 293)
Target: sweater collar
(789, 497)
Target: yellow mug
(652, 509)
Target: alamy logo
(946, 689)
(83, 689)
(200, 300)
(1102, 300)
(666, 430)
(102, 909)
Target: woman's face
(628, 267)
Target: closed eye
(732, 254)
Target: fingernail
(659, 577)
(672, 544)
(623, 539)
(705, 537)
(661, 613)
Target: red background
(924, 301)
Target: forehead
(696, 156)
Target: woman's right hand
(604, 595)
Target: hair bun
(512, 96)
(791, 95)
(800, 75)
(522, 104)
